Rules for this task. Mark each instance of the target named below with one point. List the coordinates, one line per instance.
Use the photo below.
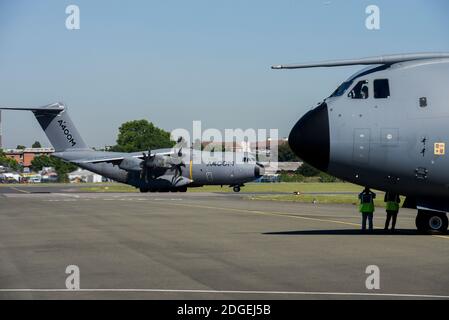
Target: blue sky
(172, 62)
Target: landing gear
(431, 221)
(236, 188)
(144, 190)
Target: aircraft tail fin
(57, 125)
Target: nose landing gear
(431, 221)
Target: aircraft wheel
(182, 189)
(144, 190)
(236, 188)
(431, 221)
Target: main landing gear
(431, 221)
(236, 188)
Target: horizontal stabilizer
(55, 107)
(388, 59)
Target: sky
(172, 62)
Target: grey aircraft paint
(162, 170)
(386, 127)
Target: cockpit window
(341, 89)
(381, 89)
(360, 90)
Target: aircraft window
(360, 90)
(341, 89)
(381, 89)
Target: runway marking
(287, 215)
(443, 237)
(256, 292)
(273, 213)
(20, 190)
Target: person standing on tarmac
(367, 207)
(392, 201)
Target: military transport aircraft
(385, 127)
(160, 170)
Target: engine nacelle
(130, 164)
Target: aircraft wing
(387, 59)
(116, 157)
(103, 159)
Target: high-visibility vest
(366, 207)
(392, 206)
(366, 203)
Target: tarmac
(207, 246)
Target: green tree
(8, 162)
(285, 153)
(62, 168)
(307, 170)
(324, 177)
(20, 147)
(141, 135)
(291, 177)
(36, 144)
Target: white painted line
(20, 190)
(312, 293)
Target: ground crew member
(367, 207)
(392, 201)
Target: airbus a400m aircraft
(385, 127)
(161, 170)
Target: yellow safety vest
(392, 206)
(366, 207)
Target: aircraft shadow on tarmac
(347, 232)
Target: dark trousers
(391, 216)
(367, 216)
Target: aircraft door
(209, 176)
(361, 147)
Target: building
(265, 146)
(25, 156)
(82, 175)
(274, 167)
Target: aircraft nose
(259, 170)
(309, 138)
